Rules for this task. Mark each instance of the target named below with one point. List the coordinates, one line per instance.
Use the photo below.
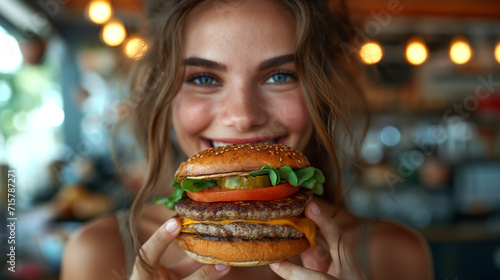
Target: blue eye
(203, 80)
(279, 78)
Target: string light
(371, 52)
(99, 11)
(113, 33)
(135, 48)
(416, 51)
(460, 50)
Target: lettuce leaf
(194, 185)
(309, 177)
(170, 201)
(187, 185)
(272, 172)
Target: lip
(234, 140)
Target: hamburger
(242, 204)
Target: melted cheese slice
(304, 225)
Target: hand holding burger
(242, 205)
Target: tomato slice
(215, 194)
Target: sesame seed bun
(239, 160)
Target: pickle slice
(244, 182)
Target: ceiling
(455, 8)
(455, 12)
(432, 8)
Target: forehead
(225, 8)
(250, 24)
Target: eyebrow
(276, 61)
(214, 65)
(205, 63)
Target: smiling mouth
(214, 143)
(210, 143)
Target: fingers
(210, 272)
(160, 240)
(317, 259)
(290, 271)
(342, 261)
(154, 248)
(331, 233)
(156, 245)
(327, 226)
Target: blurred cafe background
(431, 158)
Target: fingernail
(275, 265)
(171, 225)
(220, 267)
(315, 209)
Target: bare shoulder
(398, 252)
(95, 252)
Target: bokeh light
(6, 118)
(390, 136)
(99, 11)
(20, 121)
(372, 153)
(371, 53)
(49, 115)
(416, 51)
(460, 50)
(5, 92)
(497, 51)
(11, 57)
(135, 48)
(113, 33)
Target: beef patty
(286, 207)
(244, 230)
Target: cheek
(292, 113)
(190, 115)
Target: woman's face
(240, 83)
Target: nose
(243, 110)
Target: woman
(244, 71)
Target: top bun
(236, 159)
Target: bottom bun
(236, 252)
(208, 260)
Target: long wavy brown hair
(331, 94)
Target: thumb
(155, 246)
